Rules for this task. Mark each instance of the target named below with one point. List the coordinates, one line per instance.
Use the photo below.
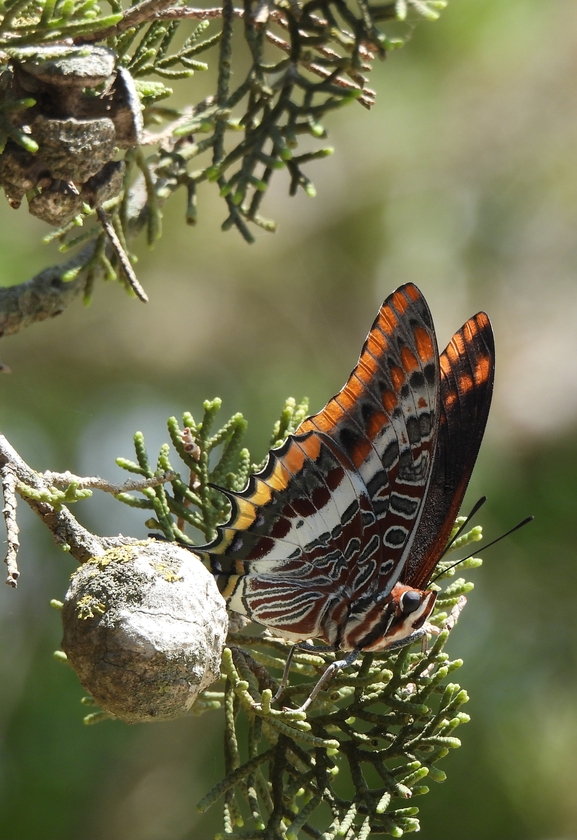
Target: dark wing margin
(467, 375)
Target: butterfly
(337, 537)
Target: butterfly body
(336, 538)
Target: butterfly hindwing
(294, 540)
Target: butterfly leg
(327, 676)
(285, 677)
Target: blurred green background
(462, 179)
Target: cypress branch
(324, 52)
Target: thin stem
(9, 481)
(98, 483)
(66, 530)
(121, 255)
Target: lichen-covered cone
(144, 629)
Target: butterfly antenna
(482, 548)
(476, 507)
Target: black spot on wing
(368, 550)
(425, 424)
(404, 505)
(395, 537)
(430, 372)
(350, 512)
(348, 438)
(319, 542)
(390, 455)
(379, 480)
(367, 410)
(367, 518)
(417, 380)
(352, 548)
(413, 430)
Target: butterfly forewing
(331, 518)
(384, 419)
(467, 374)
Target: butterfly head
(405, 612)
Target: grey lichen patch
(88, 607)
(58, 65)
(74, 149)
(155, 637)
(120, 554)
(166, 573)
